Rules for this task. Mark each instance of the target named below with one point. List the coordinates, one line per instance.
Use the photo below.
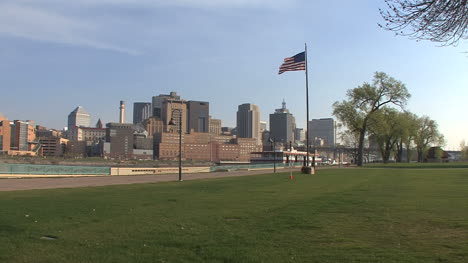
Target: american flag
(294, 63)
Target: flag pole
(307, 106)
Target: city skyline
(58, 55)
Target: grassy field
(338, 215)
(418, 165)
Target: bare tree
(444, 21)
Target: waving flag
(294, 63)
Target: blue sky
(56, 55)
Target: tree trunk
(408, 153)
(420, 155)
(387, 152)
(399, 155)
(362, 134)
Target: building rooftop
(80, 110)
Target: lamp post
(273, 144)
(172, 122)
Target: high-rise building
(23, 134)
(5, 134)
(176, 110)
(141, 111)
(153, 125)
(215, 126)
(119, 140)
(198, 113)
(79, 118)
(299, 134)
(322, 129)
(157, 103)
(282, 125)
(248, 122)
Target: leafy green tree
(407, 126)
(438, 153)
(427, 133)
(385, 129)
(362, 102)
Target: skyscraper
(282, 125)
(176, 110)
(24, 133)
(322, 129)
(79, 118)
(214, 126)
(157, 103)
(299, 134)
(248, 122)
(198, 113)
(141, 111)
(119, 140)
(5, 134)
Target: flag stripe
(294, 63)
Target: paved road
(14, 184)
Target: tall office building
(299, 135)
(79, 118)
(22, 134)
(157, 103)
(119, 140)
(5, 134)
(248, 122)
(282, 125)
(141, 111)
(198, 114)
(153, 125)
(323, 129)
(215, 126)
(176, 110)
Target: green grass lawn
(337, 215)
(418, 165)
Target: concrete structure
(282, 125)
(299, 135)
(5, 134)
(176, 110)
(153, 125)
(24, 134)
(86, 134)
(215, 126)
(79, 118)
(228, 131)
(53, 147)
(141, 111)
(76, 149)
(18, 137)
(119, 141)
(322, 129)
(122, 111)
(204, 147)
(248, 122)
(198, 114)
(157, 103)
(47, 133)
